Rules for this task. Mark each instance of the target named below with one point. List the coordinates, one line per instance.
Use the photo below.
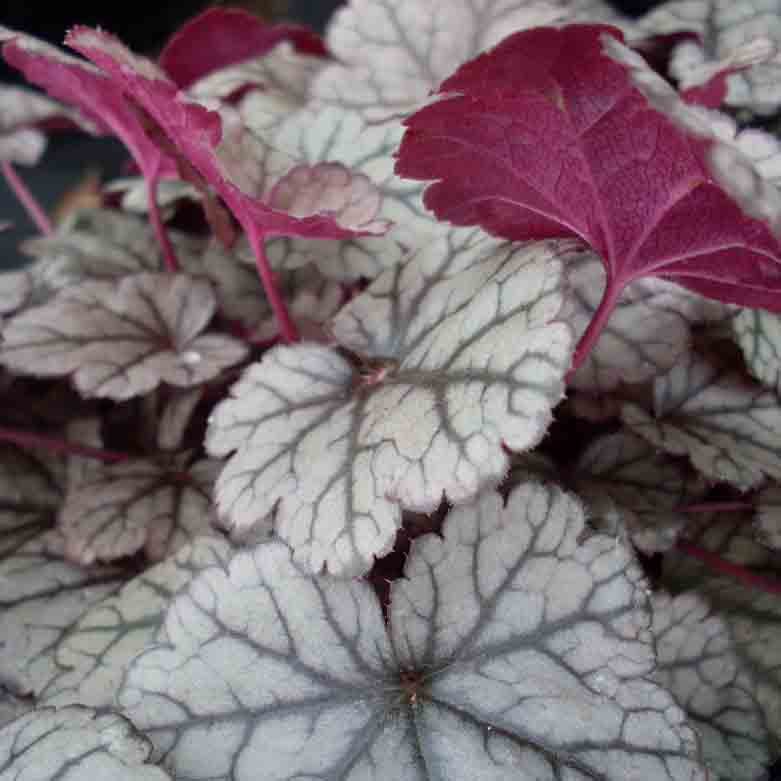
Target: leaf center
(411, 686)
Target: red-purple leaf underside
(93, 94)
(220, 37)
(195, 132)
(546, 136)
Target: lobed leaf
(103, 244)
(723, 29)
(630, 487)
(140, 504)
(279, 79)
(753, 616)
(729, 427)
(336, 134)
(744, 164)
(123, 339)
(647, 331)
(768, 515)
(698, 664)
(75, 744)
(419, 42)
(532, 665)
(31, 489)
(77, 83)
(42, 597)
(598, 161)
(92, 658)
(758, 334)
(220, 151)
(458, 354)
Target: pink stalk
(735, 571)
(27, 199)
(27, 439)
(716, 507)
(152, 179)
(287, 328)
(596, 326)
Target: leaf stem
(716, 507)
(28, 439)
(735, 571)
(287, 329)
(596, 326)
(36, 212)
(152, 179)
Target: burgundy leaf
(547, 136)
(196, 132)
(220, 37)
(79, 84)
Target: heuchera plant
(414, 416)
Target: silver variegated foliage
(514, 651)
(752, 615)
(630, 487)
(74, 744)
(283, 74)
(41, 598)
(699, 665)
(457, 355)
(92, 658)
(139, 504)
(646, 333)
(135, 198)
(122, 339)
(336, 134)
(724, 26)
(176, 416)
(12, 707)
(729, 427)
(108, 245)
(768, 515)
(419, 43)
(31, 490)
(15, 290)
(758, 334)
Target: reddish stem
(716, 507)
(596, 326)
(27, 439)
(735, 571)
(37, 213)
(152, 179)
(287, 329)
